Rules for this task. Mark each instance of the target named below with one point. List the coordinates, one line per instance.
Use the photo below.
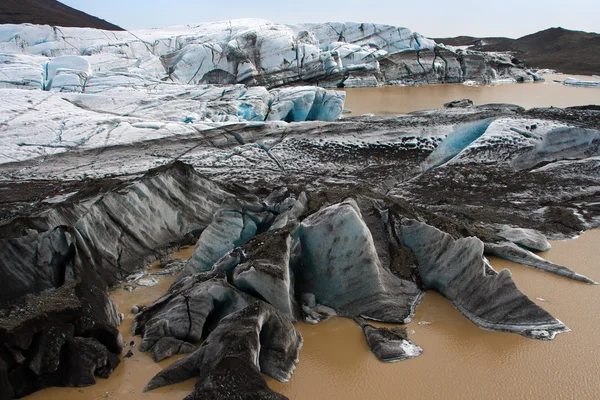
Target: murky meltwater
(131, 376)
(460, 360)
(405, 99)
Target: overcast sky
(512, 18)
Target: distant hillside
(49, 12)
(571, 52)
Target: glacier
(248, 51)
(292, 221)
(119, 147)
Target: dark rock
(117, 235)
(6, 389)
(37, 262)
(87, 358)
(129, 354)
(49, 13)
(234, 378)
(336, 226)
(168, 346)
(308, 299)
(459, 103)
(62, 338)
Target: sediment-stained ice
(455, 269)
(340, 266)
(560, 144)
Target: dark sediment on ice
(347, 221)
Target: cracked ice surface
(37, 123)
(233, 51)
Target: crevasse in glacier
(455, 142)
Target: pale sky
(432, 18)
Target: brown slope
(49, 12)
(572, 52)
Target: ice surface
(232, 51)
(66, 73)
(580, 83)
(306, 104)
(21, 71)
(560, 144)
(456, 269)
(456, 142)
(227, 231)
(38, 123)
(341, 267)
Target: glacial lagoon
(405, 99)
(335, 362)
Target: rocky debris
(455, 269)
(459, 103)
(233, 377)
(169, 267)
(389, 344)
(526, 238)
(63, 338)
(256, 338)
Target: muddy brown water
(405, 99)
(132, 374)
(460, 360)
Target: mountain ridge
(49, 12)
(567, 51)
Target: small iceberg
(577, 82)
